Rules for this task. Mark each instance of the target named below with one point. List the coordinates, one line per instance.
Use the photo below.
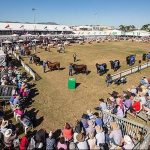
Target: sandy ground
(57, 103)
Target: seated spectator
(50, 142)
(24, 143)
(98, 120)
(133, 90)
(62, 144)
(102, 104)
(136, 106)
(115, 134)
(92, 142)
(84, 121)
(67, 132)
(127, 102)
(81, 142)
(90, 114)
(100, 135)
(9, 138)
(128, 143)
(91, 127)
(18, 111)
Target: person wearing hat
(70, 69)
(92, 142)
(128, 143)
(9, 138)
(50, 141)
(81, 142)
(100, 135)
(115, 135)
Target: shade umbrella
(14, 35)
(35, 40)
(7, 42)
(20, 41)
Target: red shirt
(136, 106)
(23, 143)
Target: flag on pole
(64, 27)
(45, 27)
(22, 26)
(7, 26)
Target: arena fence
(26, 67)
(130, 71)
(131, 128)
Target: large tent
(2, 58)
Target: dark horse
(36, 59)
(130, 60)
(146, 56)
(115, 65)
(80, 68)
(101, 68)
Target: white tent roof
(32, 27)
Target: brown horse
(27, 50)
(53, 66)
(80, 68)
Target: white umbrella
(20, 41)
(55, 39)
(14, 35)
(35, 40)
(7, 42)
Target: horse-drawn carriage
(115, 65)
(130, 60)
(79, 68)
(53, 66)
(101, 68)
(146, 56)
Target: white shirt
(82, 145)
(128, 146)
(100, 138)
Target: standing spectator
(70, 69)
(30, 59)
(139, 65)
(115, 134)
(44, 66)
(108, 79)
(74, 57)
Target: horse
(80, 68)
(53, 66)
(101, 68)
(130, 60)
(115, 65)
(36, 59)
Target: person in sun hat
(115, 135)
(128, 143)
(102, 104)
(9, 138)
(81, 142)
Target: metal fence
(130, 71)
(26, 67)
(132, 128)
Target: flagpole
(33, 9)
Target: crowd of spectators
(91, 131)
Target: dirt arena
(57, 103)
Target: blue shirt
(98, 121)
(11, 100)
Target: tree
(146, 27)
(122, 28)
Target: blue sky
(78, 12)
